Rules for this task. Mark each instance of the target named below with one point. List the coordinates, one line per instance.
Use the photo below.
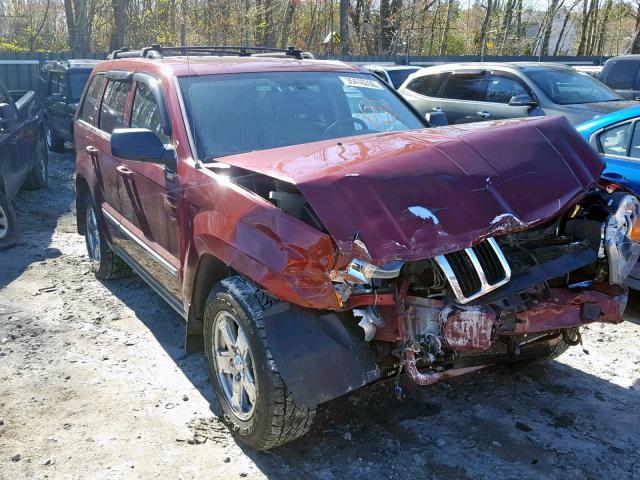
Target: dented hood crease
(415, 194)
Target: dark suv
(473, 92)
(317, 237)
(59, 88)
(623, 75)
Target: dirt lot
(94, 384)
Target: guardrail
(19, 71)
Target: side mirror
(7, 116)
(437, 119)
(522, 100)
(142, 145)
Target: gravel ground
(94, 384)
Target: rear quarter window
(89, 108)
(428, 85)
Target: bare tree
(344, 27)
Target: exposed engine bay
(502, 297)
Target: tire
(8, 224)
(39, 175)
(551, 353)
(105, 264)
(269, 417)
(54, 143)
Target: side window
(615, 140)
(428, 85)
(112, 107)
(622, 75)
(89, 108)
(500, 89)
(145, 112)
(62, 85)
(464, 86)
(634, 152)
(54, 78)
(380, 75)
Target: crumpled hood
(412, 195)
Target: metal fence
(19, 71)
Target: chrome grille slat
(474, 271)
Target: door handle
(92, 151)
(122, 170)
(484, 114)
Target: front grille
(474, 271)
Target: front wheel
(256, 403)
(8, 224)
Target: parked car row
(317, 235)
(476, 92)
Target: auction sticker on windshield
(360, 83)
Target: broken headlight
(621, 236)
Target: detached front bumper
(477, 328)
(569, 308)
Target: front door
(500, 89)
(149, 195)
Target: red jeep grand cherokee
(317, 237)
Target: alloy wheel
(93, 236)
(234, 364)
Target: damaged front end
(454, 249)
(506, 298)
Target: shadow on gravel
(38, 214)
(546, 421)
(168, 328)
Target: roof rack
(158, 51)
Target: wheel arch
(209, 271)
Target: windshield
(77, 81)
(399, 76)
(238, 113)
(570, 87)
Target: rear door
(500, 88)
(93, 133)
(424, 92)
(55, 104)
(149, 193)
(463, 95)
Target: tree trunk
(71, 24)
(635, 45)
(546, 37)
(269, 38)
(485, 27)
(289, 13)
(82, 27)
(344, 27)
(119, 24)
(386, 28)
(603, 26)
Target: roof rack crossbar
(242, 51)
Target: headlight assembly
(621, 237)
